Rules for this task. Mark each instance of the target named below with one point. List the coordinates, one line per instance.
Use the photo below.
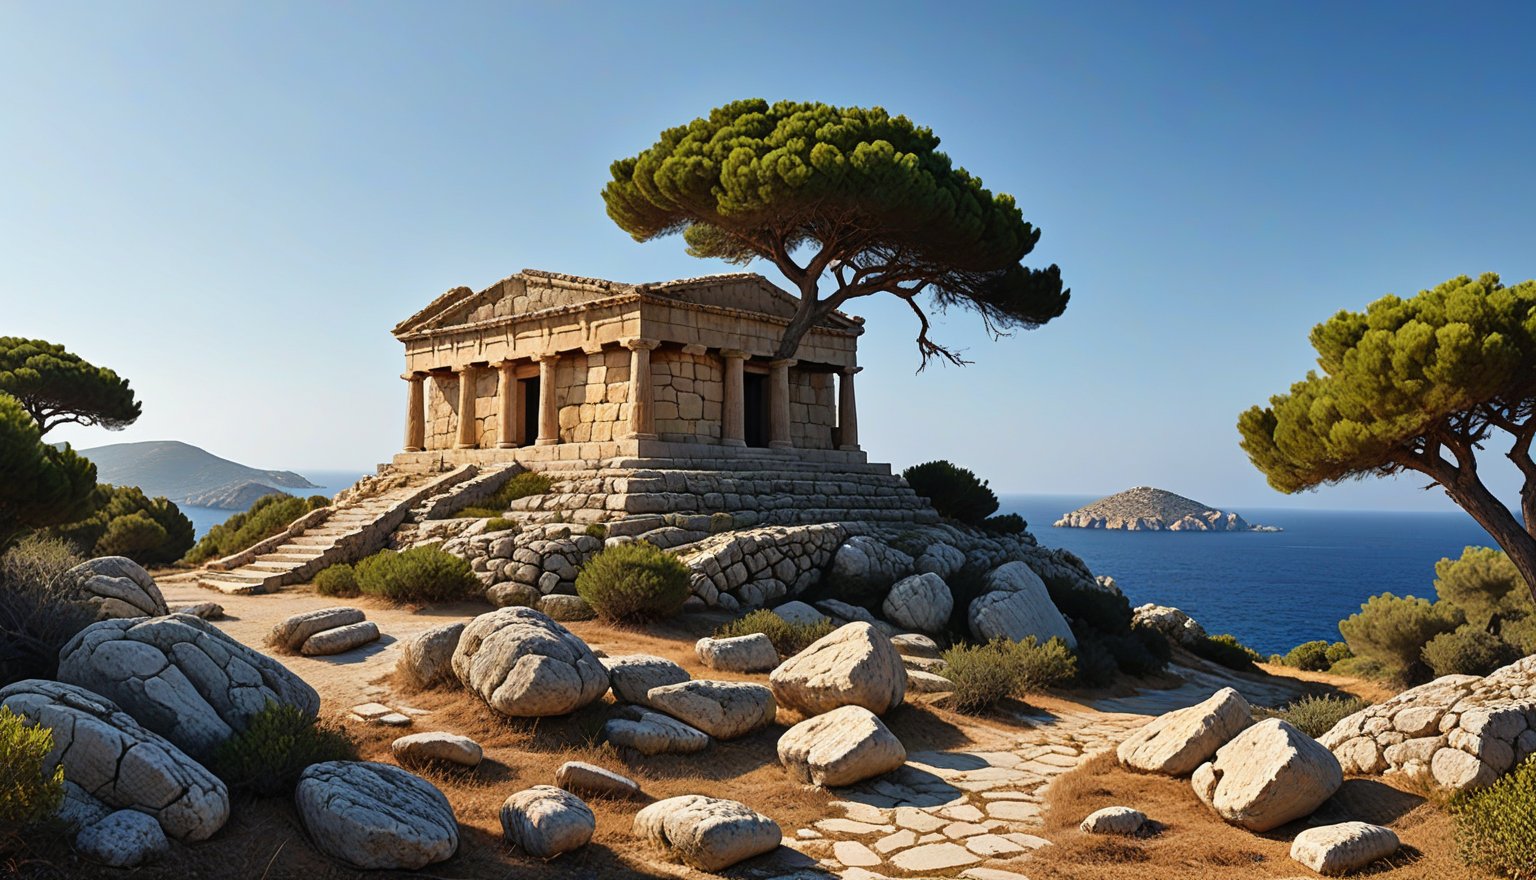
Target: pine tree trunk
(1473, 497)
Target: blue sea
(329, 483)
(1271, 590)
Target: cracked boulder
(652, 733)
(524, 665)
(707, 833)
(124, 839)
(115, 586)
(290, 635)
(182, 678)
(426, 659)
(842, 747)
(633, 675)
(864, 568)
(1015, 606)
(722, 709)
(545, 821)
(110, 758)
(921, 602)
(1268, 775)
(854, 665)
(375, 816)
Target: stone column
(506, 403)
(847, 411)
(733, 428)
(467, 421)
(415, 412)
(778, 403)
(642, 403)
(549, 413)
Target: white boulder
(847, 745)
(921, 602)
(1268, 775)
(436, 746)
(545, 821)
(124, 839)
(290, 634)
(798, 613)
(426, 659)
(1114, 820)
(1178, 627)
(522, 664)
(375, 816)
(340, 640)
(1344, 848)
(707, 833)
(854, 665)
(1015, 606)
(1179, 741)
(115, 586)
(652, 733)
(749, 653)
(581, 778)
(722, 709)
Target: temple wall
(812, 409)
(593, 395)
(689, 390)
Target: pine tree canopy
(867, 195)
(57, 387)
(40, 485)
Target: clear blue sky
(232, 203)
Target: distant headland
(188, 475)
(1148, 509)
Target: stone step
(313, 540)
(230, 587)
(273, 565)
(305, 551)
(293, 559)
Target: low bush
(501, 524)
(126, 522)
(1005, 524)
(788, 638)
(1361, 667)
(30, 791)
(596, 530)
(633, 582)
(421, 574)
(984, 675)
(1315, 716)
(1142, 651)
(523, 485)
(1226, 650)
(1101, 610)
(339, 580)
(1520, 632)
(954, 492)
(281, 741)
(1338, 651)
(268, 516)
(1393, 630)
(1311, 656)
(1496, 826)
(1096, 665)
(1470, 650)
(36, 618)
(480, 513)
(1483, 582)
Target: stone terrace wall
(689, 390)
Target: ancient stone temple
(542, 366)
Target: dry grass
(1196, 845)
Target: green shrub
(281, 741)
(523, 485)
(1226, 650)
(1361, 667)
(1470, 650)
(1005, 524)
(421, 574)
(633, 582)
(954, 492)
(984, 675)
(1337, 652)
(501, 524)
(1311, 656)
(1483, 582)
(30, 791)
(36, 617)
(788, 638)
(1496, 826)
(1089, 607)
(268, 516)
(480, 513)
(1393, 630)
(126, 522)
(1520, 632)
(338, 580)
(1096, 665)
(1142, 651)
(596, 530)
(1315, 716)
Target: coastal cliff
(1145, 508)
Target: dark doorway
(754, 400)
(530, 388)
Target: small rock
(633, 675)
(546, 821)
(798, 613)
(511, 594)
(1343, 848)
(124, 839)
(205, 610)
(426, 659)
(921, 601)
(1114, 820)
(749, 653)
(290, 635)
(707, 833)
(420, 748)
(340, 639)
(920, 682)
(591, 780)
(915, 645)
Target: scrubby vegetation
(418, 575)
(281, 741)
(788, 638)
(984, 675)
(36, 619)
(1470, 650)
(1005, 524)
(30, 791)
(596, 530)
(633, 582)
(339, 580)
(523, 485)
(1391, 631)
(1311, 656)
(1315, 716)
(1496, 826)
(955, 492)
(126, 522)
(268, 516)
(1226, 650)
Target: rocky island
(1148, 509)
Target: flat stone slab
(582, 778)
(934, 857)
(421, 748)
(291, 634)
(340, 639)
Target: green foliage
(633, 582)
(1521, 633)
(268, 516)
(1315, 716)
(867, 192)
(1482, 583)
(274, 750)
(126, 522)
(1096, 665)
(596, 530)
(339, 580)
(36, 617)
(418, 575)
(1005, 524)
(40, 485)
(1311, 656)
(523, 485)
(479, 513)
(788, 638)
(30, 791)
(1090, 608)
(1226, 650)
(1392, 632)
(500, 524)
(955, 492)
(1470, 650)
(984, 675)
(1496, 826)
(1362, 667)
(57, 387)
(1338, 652)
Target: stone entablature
(543, 359)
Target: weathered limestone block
(1017, 606)
(110, 757)
(652, 733)
(799, 613)
(291, 634)
(115, 586)
(581, 778)
(513, 593)
(426, 659)
(181, 677)
(941, 559)
(707, 833)
(633, 675)
(522, 664)
(1114, 820)
(1268, 775)
(545, 821)
(864, 568)
(847, 745)
(1180, 741)
(749, 653)
(124, 839)
(1333, 850)
(722, 709)
(921, 602)
(79, 807)
(920, 682)
(1178, 627)
(562, 607)
(375, 816)
(915, 645)
(340, 639)
(854, 665)
(425, 748)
